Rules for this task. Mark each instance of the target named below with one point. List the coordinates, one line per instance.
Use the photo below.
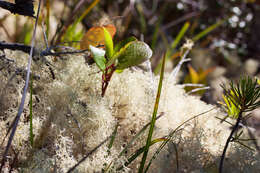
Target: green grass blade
(174, 44)
(30, 114)
(47, 20)
(129, 144)
(156, 105)
(140, 11)
(91, 6)
(113, 137)
(207, 30)
(140, 151)
(180, 35)
(27, 33)
(132, 140)
(155, 34)
(71, 33)
(136, 136)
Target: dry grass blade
(87, 155)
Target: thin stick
(87, 155)
(21, 106)
(228, 141)
(198, 89)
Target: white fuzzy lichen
(71, 118)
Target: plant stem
(106, 78)
(228, 141)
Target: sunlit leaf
(194, 76)
(132, 54)
(99, 57)
(95, 36)
(108, 44)
(197, 77)
(258, 80)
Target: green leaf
(121, 44)
(132, 54)
(207, 30)
(109, 44)
(171, 48)
(66, 33)
(99, 57)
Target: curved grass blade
(171, 135)
(132, 140)
(87, 155)
(137, 135)
(140, 151)
(156, 105)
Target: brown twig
(46, 52)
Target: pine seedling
(239, 98)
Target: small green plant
(127, 53)
(239, 99)
(68, 31)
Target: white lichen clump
(72, 118)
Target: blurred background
(224, 32)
